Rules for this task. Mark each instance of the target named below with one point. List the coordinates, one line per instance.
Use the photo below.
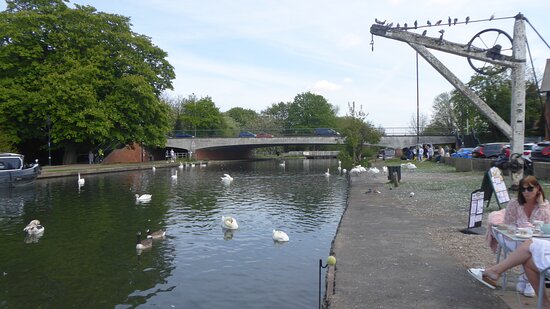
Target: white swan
(143, 244)
(175, 176)
(226, 178)
(154, 168)
(327, 173)
(282, 163)
(409, 165)
(373, 170)
(385, 169)
(34, 228)
(81, 181)
(181, 166)
(229, 223)
(280, 236)
(160, 234)
(143, 198)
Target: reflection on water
(87, 256)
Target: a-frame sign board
(493, 182)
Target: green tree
(444, 118)
(309, 111)
(357, 132)
(244, 117)
(202, 117)
(97, 80)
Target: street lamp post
(49, 124)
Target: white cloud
(325, 85)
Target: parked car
(527, 149)
(247, 134)
(463, 153)
(260, 135)
(387, 153)
(183, 135)
(325, 132)
(541, 152)
(489, 150)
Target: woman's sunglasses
(530, 189)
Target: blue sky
(252, 54)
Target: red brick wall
(128, 154)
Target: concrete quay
(385, 259)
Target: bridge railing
(408, 131)
(385, 131)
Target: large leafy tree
(202, 117)
(309, 111)
(86, 71)
(495, 90)
(244, 117)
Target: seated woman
(529, 206)
(533, 254)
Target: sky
(252, 54)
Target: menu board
(493, 182)
(476, 209)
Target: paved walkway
(84, 169)
(385, 259)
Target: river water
(87, 257)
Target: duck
(143, 244)
(175, 176)
(143, 198)
(34, 228)
(280, 236)
(160, 234)
(226, 178)
(229, 223)
(81, 181)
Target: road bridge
(218, 148)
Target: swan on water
(81, 181)
(280, 236)
(327, 173)
(175, 176)
(34, 228)
(229, 223)
(226, 178)
(143, 198)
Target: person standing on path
(90, 157)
